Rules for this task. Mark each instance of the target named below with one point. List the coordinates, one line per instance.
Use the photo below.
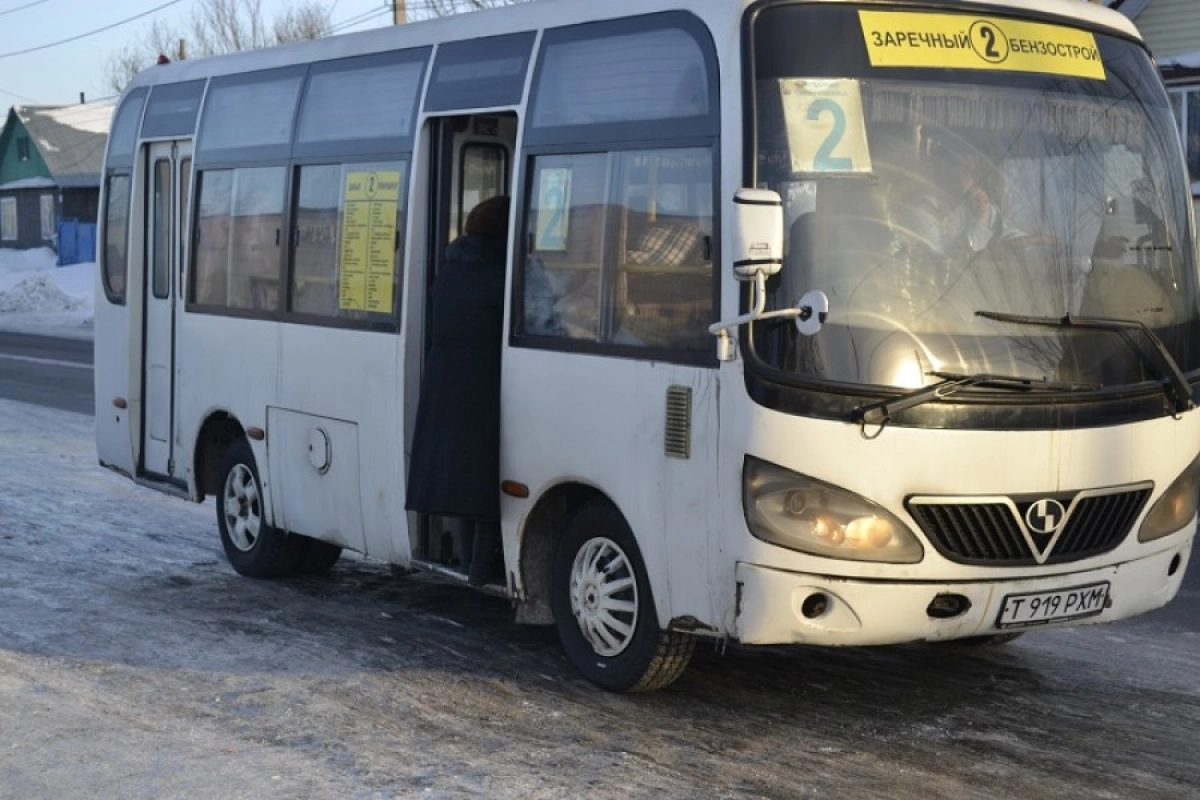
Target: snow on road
(134, 663)
(36, 296)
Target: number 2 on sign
(826, 131)
(825, 161)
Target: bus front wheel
(604, 608)
(319, 557)
(253, 547)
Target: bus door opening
(471, 164)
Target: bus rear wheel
(254, 548)
(604, 608)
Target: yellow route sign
(368, 257)
(959, 41)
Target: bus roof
(553, 13)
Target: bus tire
(253, 547)
(319, 557)
(604, 609)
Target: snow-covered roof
(28, 183)
(1183, 61)
(71, 139)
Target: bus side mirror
(757, 233)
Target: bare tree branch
(158, 39)
(217, 27)
(302, 21)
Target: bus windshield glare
(916, 198)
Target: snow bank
(15, 262)
(39, 293)
(36, 296)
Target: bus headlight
(1175, 508)
(793, 511)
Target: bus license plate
(1040, 608)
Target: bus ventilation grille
(679, 422)
(982, 531)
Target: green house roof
(62, 145)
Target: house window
(49, 221)
(8, 219)
(23, 148)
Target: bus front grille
(1013, 531)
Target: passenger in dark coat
(455, 467)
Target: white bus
(835, 323)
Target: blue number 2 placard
(825, 126)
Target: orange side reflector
(514, 489)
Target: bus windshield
(916, 198)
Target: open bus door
(471, 161)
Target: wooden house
(51, 158)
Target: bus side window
(565, 226)
(342, 213)
(647, 236)
(116, 235)
(238, 238)
(664, 286)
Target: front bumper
(872, 612)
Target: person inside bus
(455, 465)
(961, 216)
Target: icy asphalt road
(135, 664)
(51, 371)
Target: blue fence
(76, 242)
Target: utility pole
(399, 12)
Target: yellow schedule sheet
(367, 264)
(961, 41)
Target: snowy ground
(134, 663)
(36, 296)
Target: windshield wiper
(880, 413)
(1017, 382)
(1176, 384)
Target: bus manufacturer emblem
(1044, 523)
(1045, 516)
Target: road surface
(134, 663)
(46, 370)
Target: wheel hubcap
(243, 512)
(604, 597)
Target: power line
(22, 8)
(357, 20)
(90, 33)
(419, 6)
(18, 96)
